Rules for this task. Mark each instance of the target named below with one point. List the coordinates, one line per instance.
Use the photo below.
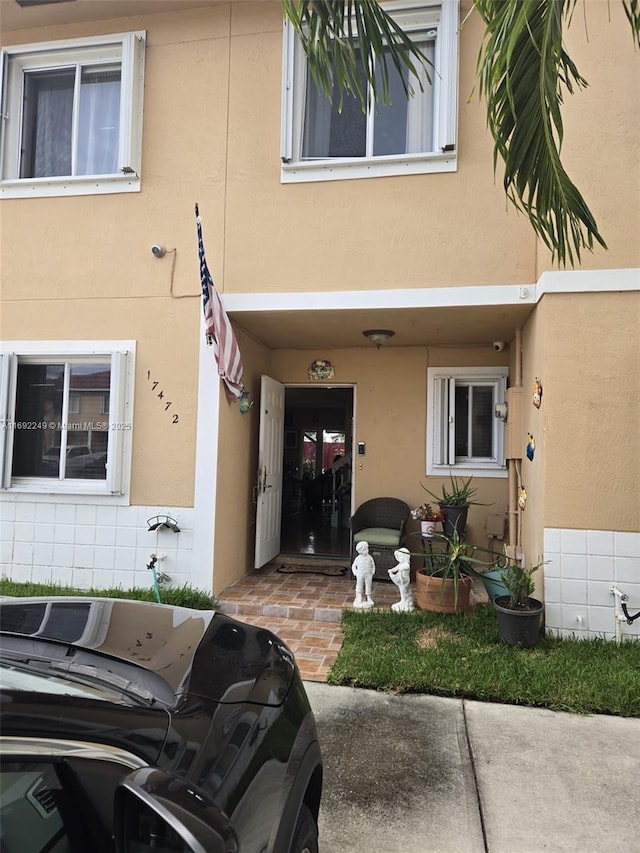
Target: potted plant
(450, 565)
(428, 519)
(454, 501)
(519, 614)
(493, 583)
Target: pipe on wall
(515, 513)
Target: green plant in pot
(444, 584)
(454, 501)
(519, 614)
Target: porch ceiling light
(378, 336)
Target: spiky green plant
(458, 492)
(519, 582)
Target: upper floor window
(72, 116)
(56, 436)
(463, 432)
(415, 134)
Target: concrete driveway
(411, 774)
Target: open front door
(269, 484)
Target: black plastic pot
(455, 519)
(519, 627)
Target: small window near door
(463, 433)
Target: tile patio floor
(303, 609)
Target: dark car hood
(197, 652)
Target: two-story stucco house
(118, 116)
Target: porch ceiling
(331, 328)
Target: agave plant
(458, 493)
(458, 559)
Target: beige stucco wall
(601, 148)
(419, 215)
(532, 474)
(390, 417)
(590, 352)
(160, 447)
(86, 270)
(211, 133)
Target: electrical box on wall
(495, 525)
(514, 435)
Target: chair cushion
(385, 536)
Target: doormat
(311, 569)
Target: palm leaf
(632, 11)
(345, 40)
(523, 73)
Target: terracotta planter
(432, 594)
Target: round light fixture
(378, 336)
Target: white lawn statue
(364, 569)
(401, 576)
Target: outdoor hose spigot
(623, 598)
(630, 619)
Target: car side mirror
(154, 810)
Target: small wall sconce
(502, 411)
(378, 336)
(159, 521)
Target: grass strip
(179, 596)
(463, 656)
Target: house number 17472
(156, 389)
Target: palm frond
(632, 11)
(346, 40)
(523, 72)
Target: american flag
(217, 327)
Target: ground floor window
(67, 418)
(463, 432)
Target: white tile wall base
(580, 568)
(93, 546)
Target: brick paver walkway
(303, 609)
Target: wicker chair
(381, 523)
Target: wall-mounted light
(378, 336)
(502, 411)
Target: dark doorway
(317, 471)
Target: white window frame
(126, 48)
(441, 15)
(122, 362)
(441, 383)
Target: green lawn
(182, 596)
(463, 656)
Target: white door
(269, 484)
